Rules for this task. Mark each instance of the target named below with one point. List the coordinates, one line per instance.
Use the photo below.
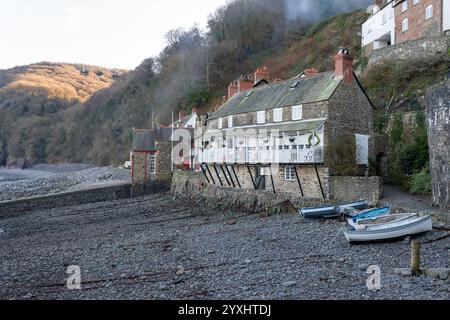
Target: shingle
(316, 88)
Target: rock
(289, 284)
(247, 261)
(2, 232)
(438, 273)
(180, 271)
(363, 267)
(27, 296)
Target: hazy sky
(110, 33)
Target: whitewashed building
(379, 29)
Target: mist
(314, 10)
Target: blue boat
(372, 213)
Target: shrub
(421, 182)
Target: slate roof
(315, 88)
(143, 140)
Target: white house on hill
(379, 29)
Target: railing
(260, 155)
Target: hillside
(193, 70)
(31, 96)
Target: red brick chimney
(233, 88)
(181, 115)
(245, 83)
(310, 72)
(344, 65)
(195, 110)
(262, 74)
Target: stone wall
(307, 175)
(411, 50)
(438, 116)
(140, 168)
(354, 188)
(164, 161)
(193, 186)
(310, 111)
(91, 195)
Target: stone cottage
(151, 156)
(311, 135)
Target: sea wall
(194, 187)
(91, 195)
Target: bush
(421, 182)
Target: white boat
(377, 220)
(401, 226)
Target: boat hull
(406, 227)
(332, 212)
(319, 212)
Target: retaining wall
(99, 194)
(193, 186)
(410, 50)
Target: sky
(108, 33)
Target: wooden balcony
(280, 155)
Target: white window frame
(405, 25)
(404, 6)
(220, 123)
(297, 112)
(362, 149)
(289, 173)
(415, 2)
(278, 115)
(152, 164)
(261, 117)
(230, 121)
(429, 12)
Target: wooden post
(415, 258)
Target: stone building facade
(151, 156)
(295, 136)
(438, 115)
